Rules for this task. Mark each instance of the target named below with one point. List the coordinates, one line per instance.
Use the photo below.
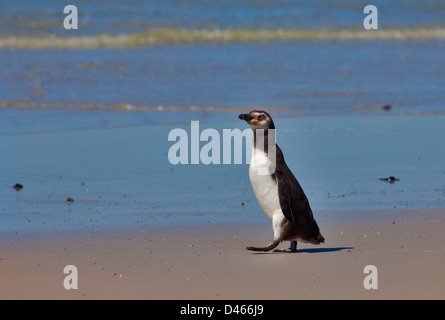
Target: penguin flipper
(295, 207)
(294, 203)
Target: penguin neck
(265, 139)
(263, 157)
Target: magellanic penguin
(278, 191)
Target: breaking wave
(186, 36)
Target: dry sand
(210, 262)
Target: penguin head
(258, 119)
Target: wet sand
(210, 262)
(141, 228)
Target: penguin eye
(260, 117)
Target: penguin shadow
(309, 250)
(321, 250)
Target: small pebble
(390, 179)
(18, 187)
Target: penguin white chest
(264, 186)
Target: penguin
(279, 194)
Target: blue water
(122, 17)
(309, 77)
(306, 76)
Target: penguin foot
(292, 248)
(283, 250)
(268, 248)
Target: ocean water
(306, 57)
(304, 77)
(45, 17)
(86, 113)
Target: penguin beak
(245, 117)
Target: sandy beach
(210, 263)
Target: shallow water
(304, 77)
